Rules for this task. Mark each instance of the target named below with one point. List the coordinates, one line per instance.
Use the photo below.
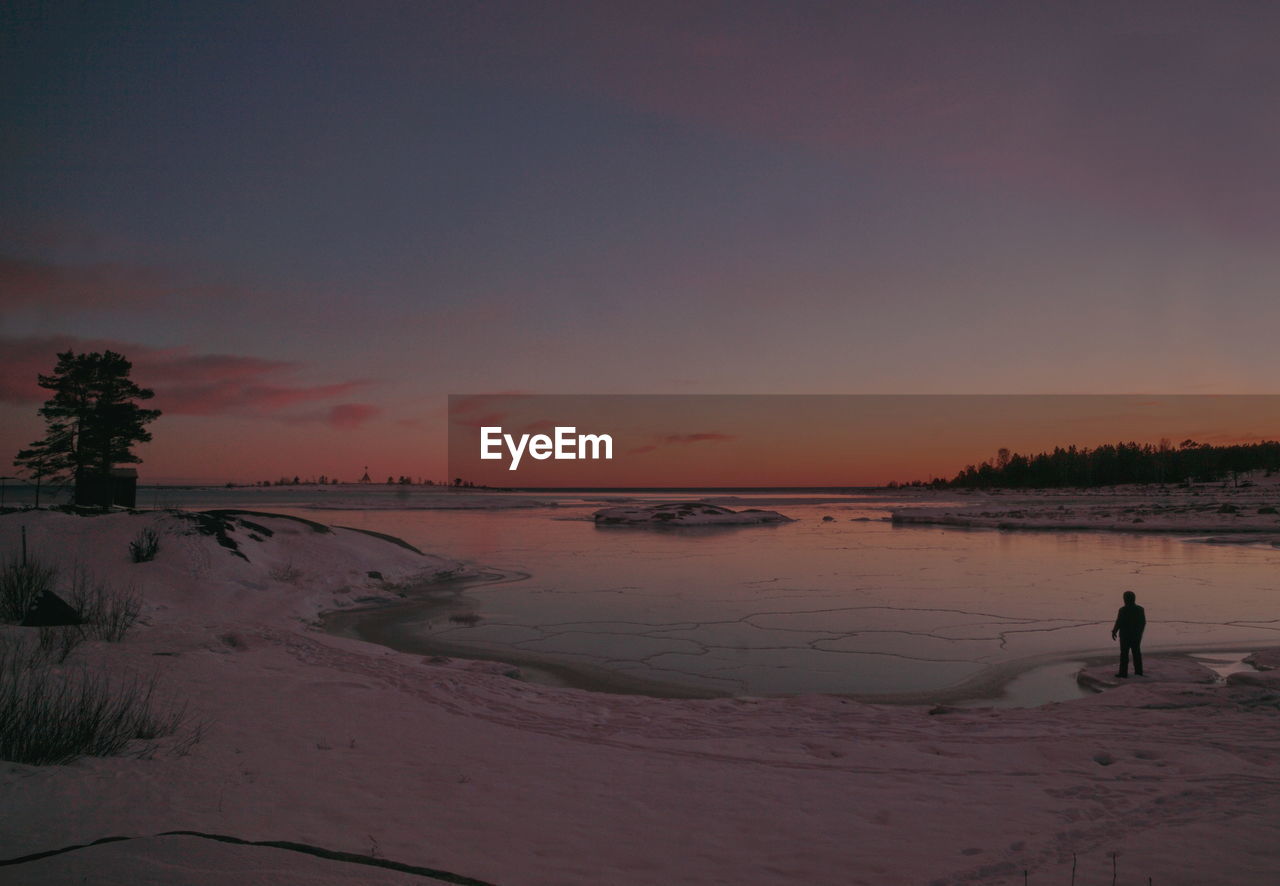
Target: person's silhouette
(1130, 622)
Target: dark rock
(48, 610)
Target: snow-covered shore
(1251, 510)
(454, 766)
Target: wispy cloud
(25, 282)
(343, 416)
(680, 440)
(481, 410)
(1112, 108)
(100, 285)
(696, 438)
(349, 416)
(186, 383)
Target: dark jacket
(1130, 621)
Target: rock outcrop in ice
(684, 513)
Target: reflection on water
(853, 605)
(1037, 686)
(1224, 664)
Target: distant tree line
(324, 480)
(1115, 464)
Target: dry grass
(51, 715)
(21, 582)
(145, 547)
(108, 611)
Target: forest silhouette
(1115, 464)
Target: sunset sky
(308, 223)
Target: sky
(308, 223)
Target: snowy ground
(1249, 512)
(452, 766)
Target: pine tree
(91, 421)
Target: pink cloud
(21, 360)
(348, 416)
(28, 283)
(24, 282)
(185, 383)
(219, 396)
(480, 410)
(680, 440)
(461, 404)
(487, 419)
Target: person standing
(1130, 623)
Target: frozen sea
(852, 605)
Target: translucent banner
(820, 441)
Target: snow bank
(1156, 669)
(1266, 673)
(1265, 659)
(231, 564)
(1253, 511)
(685, 513)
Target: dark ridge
(382, 535)
(235, 512)
(288, 845)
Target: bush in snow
(145, 547)
(58, 642)
(55, 715)
(107, 611)
(21, 582)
